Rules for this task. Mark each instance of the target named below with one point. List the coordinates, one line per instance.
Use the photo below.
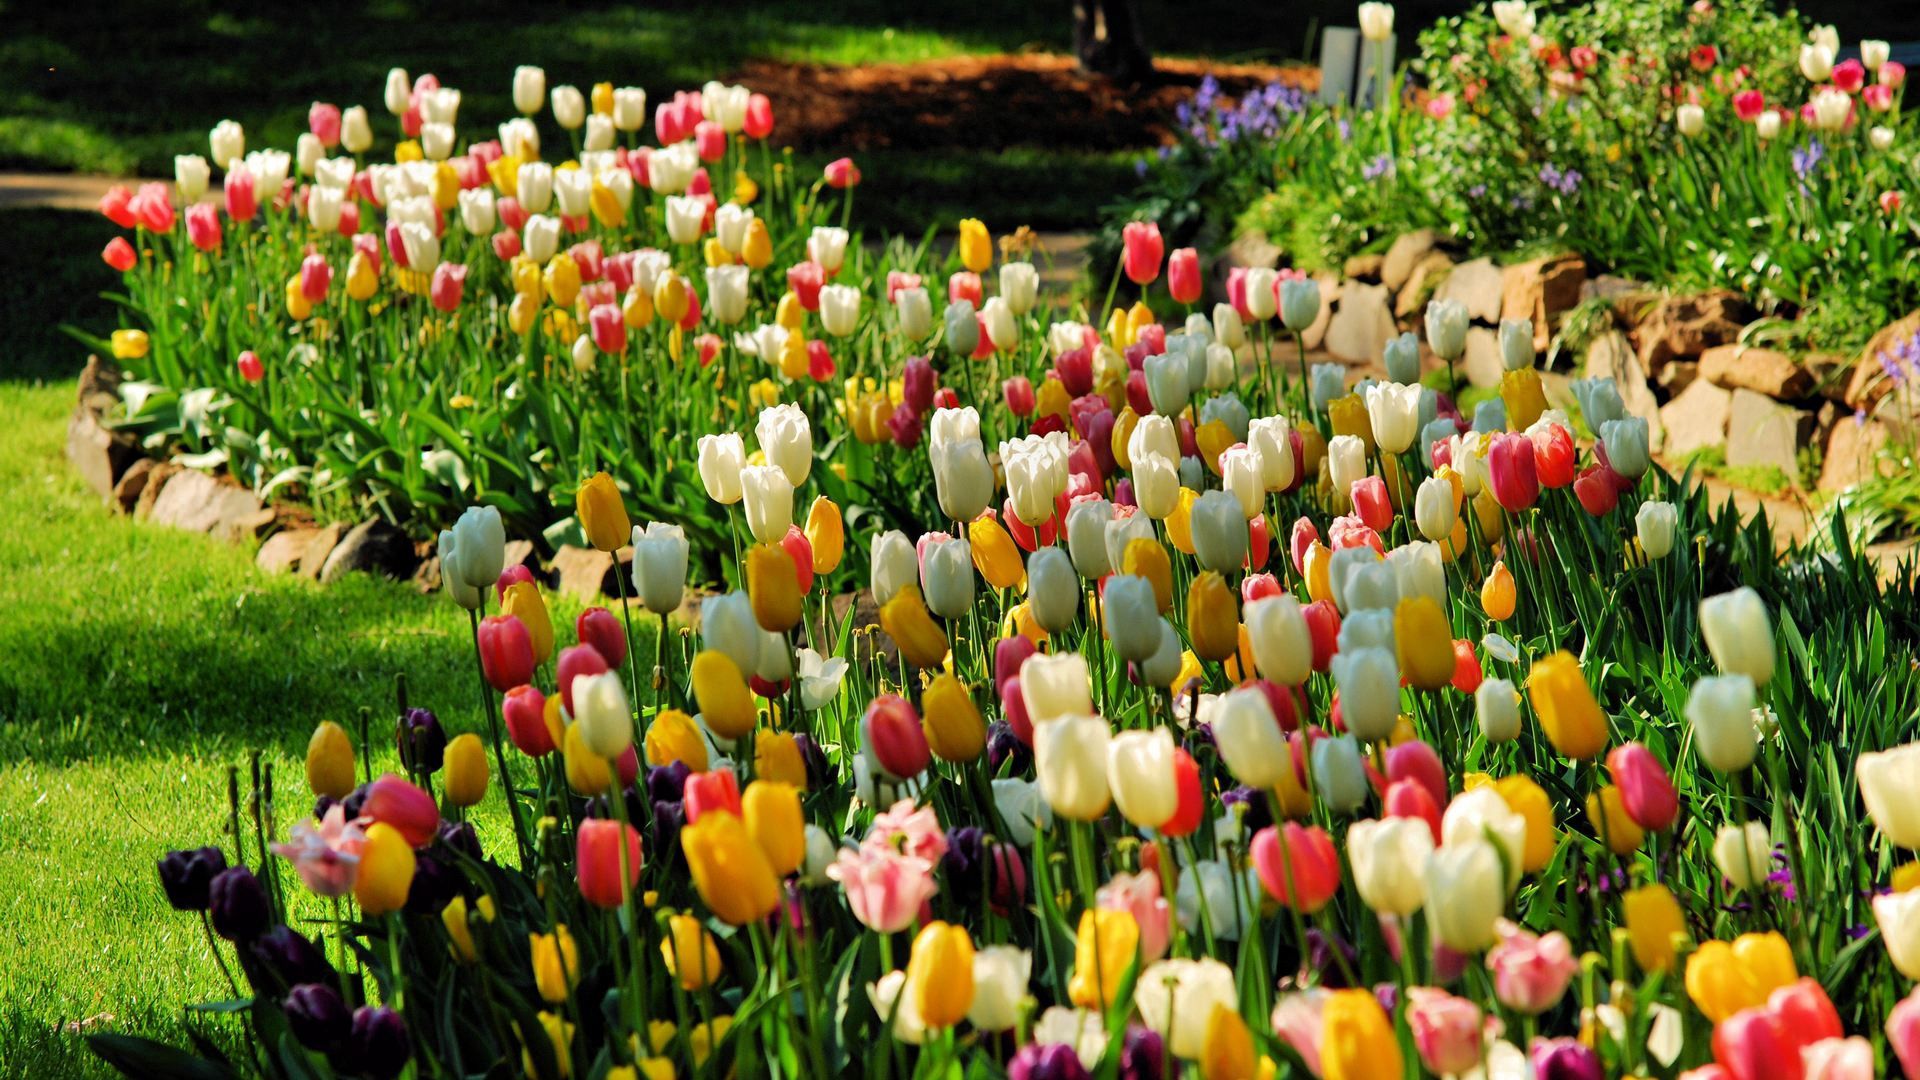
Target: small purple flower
(1807, 157)
(1477, 191)
(1378, 167)
(1346, 130)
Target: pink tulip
(609, 328)
(1019, 394)
(1879, 97)
(448, 282)
(897, 280)
(759, 117)
(1838, 1059)
(1531, 973)
(1370, 502)
(806, 280)
(511, 576)
(1183, 276)
(1893, 73)
(1753, 1044)
(709, 141)
(1748, 105)
(1411, 799)
(884, 889)
(1645, 791)
(1415, 760)
(917, 382)
(1440, 106)
(1849, 76)
(1297, 1019)
(153, 206)
(597, 627)
(1302, 871)
(1510, 471)
(316, 277)
(1075, 368)
(1139, 895)
(842, 173)
(249, 366)
(324, 121)
(575, 662)
(597, 862)
(1903, 1032)
(114, 204)
(1143, 251)
(1446, 1030)
(400, 804)
(905, 427)
(965, 285)
(525, 711)
(203, 226)
(893, 737)
(240, 197)
(1350, 531)
(912, 830)
(327, 857)
(590, 258)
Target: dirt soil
(989, 101)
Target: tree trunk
(1106, 40)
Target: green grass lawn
(142, 662)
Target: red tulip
(1849, 76)
(714, 790)
(1183, 276)
(1370, 502)
(506, 652)
(1075, 369)
(203, 226)
(1018, 391)
(525, 710)
(609, 328)
(1301, 539)
(448, 282)
(759, 117)
(1259, 544)
(1646, 793)
(1302, 872)
(1553, 456)
(820, 365)
(598, 862)
(805, 279)
(1323, 623)
(114, 204)
(800, 550)
(708, 346)
(597, 627)
(1411, 799)
(1143, 251)
(1598, 489)
(1753, 1044)
(249, 365)
(1416, 761)
(239, 194)
(119, 254)
(905, 427)
(579, 660)
(511, 576)
(709, 141)
(1013, 705)
(408, 809)
(692, 318)
(1186, 780)
(316, 277)
(1139, 399)
(1467, 675)
(1805, 1009)
(1008, 654)
(965, 285)
(893, 736)
(1748, 105)
(842, 173)
(916, 384)
(1510, 470)
(153, 206)
(349, 219)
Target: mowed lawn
(140, 664)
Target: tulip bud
(1053, 590)
(1890, 786)
(466, 764)
(1738, 634)
(386, 871)
(1369, 683)
(1465, 895)
(905, 619)
(1140, 772)
(1743, 854)
(1070, 758)
(1565, 705)
(690, 952)
(1497, 709)
(721, 691)
(1299, 302)
(330, 761)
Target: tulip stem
(499, 753)
(626, 613)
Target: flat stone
(1481, 361)
(372, 547)
(199, 502)
(1540, 289)
(1316, 332)
(1853, 453)
(280, 553)
(1870, 382)
(1762, 433)
(127, 489)
(1360, 328)
(319, 546)
(98, 454)
(1612, 356)
(1419, 285)
(1364, 267)
(1677, 376)
(584, 573)
(1683, 327)
(1763, 371)
(1697, 419)
(1478, 284)
(157, 479)
(1404, 255)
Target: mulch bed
(989, 102)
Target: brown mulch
(989, 102)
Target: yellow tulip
(602, 98)
(1180, 522)
(1105, 946)
(995, 554)
(1213, 618)
(776, 756)
(940, 974)
(670, 296)
(1123, 425)
(1053, 400)
(408, 150)
(776, 823)
(1723, 978)
(690, 952)
(132, 344)
(976, 245)
(606, 206)
(298, 309)
(504, 171)
(826, 534)
(1524, 397)
(704, 1037)
(466, 765)
(524, 602)
(1227, 1052)
(1119, 331)
(1607, 812)
(526, 278)
(757, 251)
(446, 186)
(1498, 594)
(794, 362)
(556, 963)
(1144, 557)
(330, 761)
(459, 925)
(714, 253)
(1348, 416)
(559, 1036)
(1318, 567)
(730, 871)
(907, 621)
(744, 188)
(1425, 643)
(955, 731)
(773, 588)
(1357, 1040)
(1530, 801)
(1488, 514)
(1906, 877)
(1568, 713)
(520, 313)
(1653, 918)
(636, 310)
(362, 279)
(602, 514)
(673, 736)
(562, 279)
(789, 313)
(722, 694)
(386, 871)
(587, 772)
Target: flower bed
(1233, 719)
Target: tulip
(607, 874)
(1497, 710)
(946, 577)
(771, 810)
(1087, 537)
(905, 619)
(1446, 322)
(1140, 772)
(1465, 894)
(1653, 917)
(1565, 705)
(1646, 794)
(1739, 634)
(1530, 973)
(1249, 739)
(768, 494)
(330, 761)
(556, 963)
(940, 974)
(1376, 24)
(1053, 589)
(1741, 852)
(1176, 998)
(1891, 790)
(506, 652)
(1369, 684)
(1722, 978)
(730, 871)
(1302, 870)
(995, 554)
(1070, 758)
(690, 953)
(1484, 813)
(673, 736)
(975, 245)
(1143, 249)
(466, 763)
(1339, 777)
(1055, 686)
(1395, 414)
(721, 460)
(386, 871)
(1389, 861)
(601, 713)
(405, 807)
(1104, 951)
(892, 734)
(1357, 1039)
(1425, 643)
(1903, 1033)
(1131, 617)
(1720, 709)
(1510, 472)
(1298, 302)
(721, 691)
(1212, 619)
